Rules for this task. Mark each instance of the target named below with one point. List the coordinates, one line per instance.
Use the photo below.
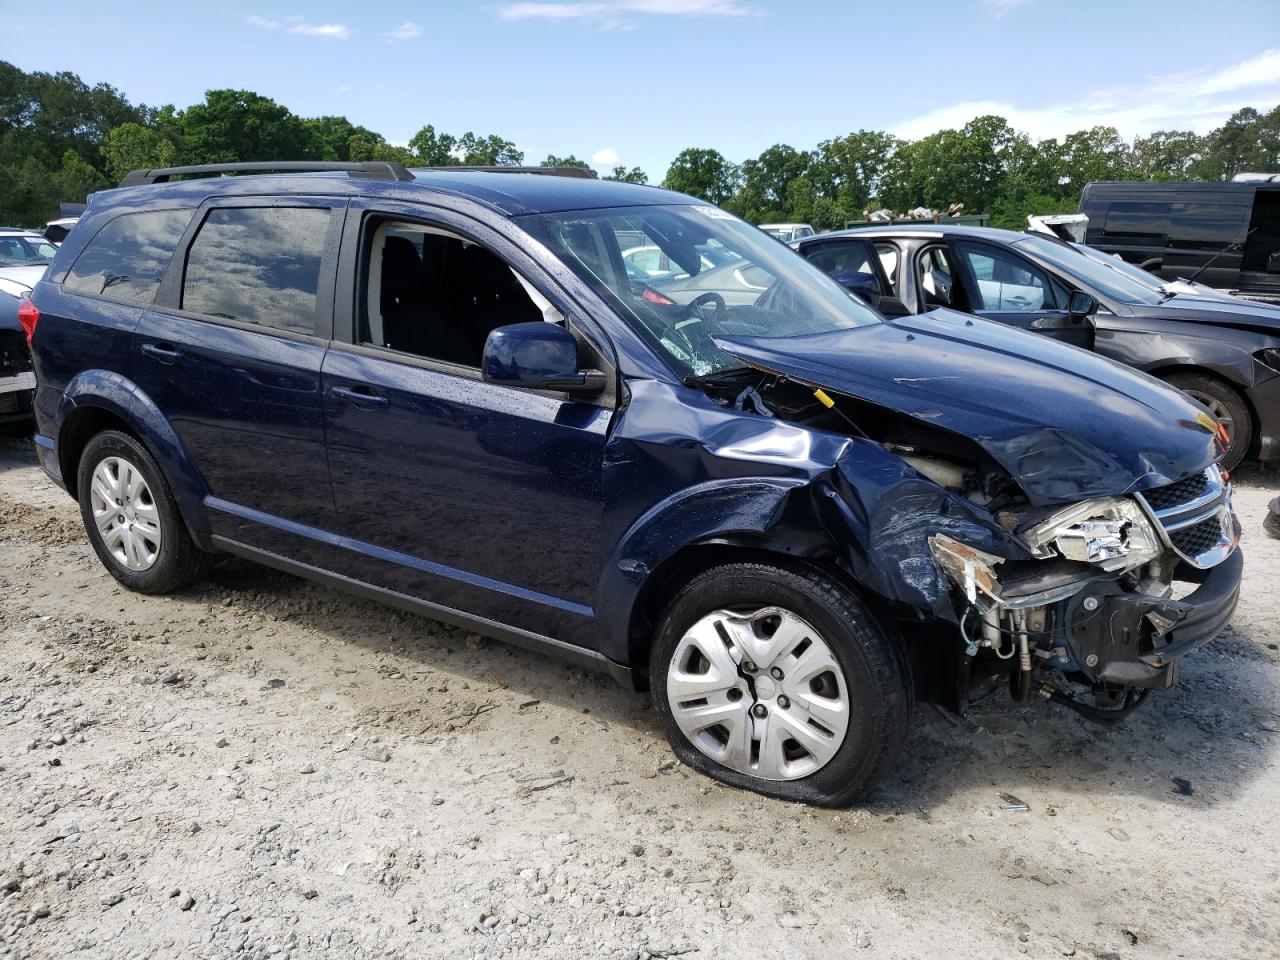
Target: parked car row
(1222, 350)
(621, 425)
(24, 255)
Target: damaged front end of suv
(1065, 529)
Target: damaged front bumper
(1096, 605)
(1132, 640)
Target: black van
(1229, 230)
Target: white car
(24, 255)
(787, 232)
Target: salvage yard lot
(258, 767)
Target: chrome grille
(1195, 518)
(1199, 538)
(1184, 491)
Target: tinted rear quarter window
(1145, 218)
(127, 257)
(258, 265)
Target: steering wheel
(694, 310)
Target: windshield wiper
(717, 376)
(1225, 250)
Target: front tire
(778, 679)
(1228, 408)
(131, 517)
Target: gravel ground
(258, 767)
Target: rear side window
(127, 258)
(258, 265)
(1137, 219)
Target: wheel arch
(99, 400)
(1188, 367)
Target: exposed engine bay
(1080, 603)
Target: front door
(1003, 286)
(472, 495)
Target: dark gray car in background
(1224, 352)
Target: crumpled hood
(1065, 423)
(1218, 311)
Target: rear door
(1004, 286)
(844, 255)
(231, 352)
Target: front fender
(114, 394)
(1170, 346)
(736, 510)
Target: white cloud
(406, 31)
(607, 157)
(1185, 102)
(263, 23)
(611, 13)
(1262, 70)
(329, 31)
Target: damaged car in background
(23, 258)
(788, 517)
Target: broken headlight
(1114, 534)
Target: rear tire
(131, 517)
(1226, 404)
(862, 703)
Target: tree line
(61, 139)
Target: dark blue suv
(733, 483)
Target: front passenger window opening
(435, 294)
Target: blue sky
(634, 81)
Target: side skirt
(536, 642)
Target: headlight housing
(1270, 357)
(1112, 533)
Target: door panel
(1005, 287)
(246, 405)
(469, 494)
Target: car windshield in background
(25, 252)
(1123, 267)
(1103, 278)
(687, 273)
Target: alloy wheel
(760, 692)
(125, 513)
(1219, 410)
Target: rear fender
(114, 394)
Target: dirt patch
(257, 767)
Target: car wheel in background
(131, 517)
(1227, 406)
(779, 679)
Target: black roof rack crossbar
(369, 170)
(545, 171)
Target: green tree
(433, 149)
(703, 173)
(1248, 141)
(634, 175)
(331, 137)
(569, 161)
(131, 146)
(488, 151)
(1166, 154)
(236, 125)
(848, 170)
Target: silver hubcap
(1218, 409)
(125, 513)
(760, 693)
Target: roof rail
(545, 171)
(369, 170)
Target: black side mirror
(1082, 304)
(537, 356)
(863, 285)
